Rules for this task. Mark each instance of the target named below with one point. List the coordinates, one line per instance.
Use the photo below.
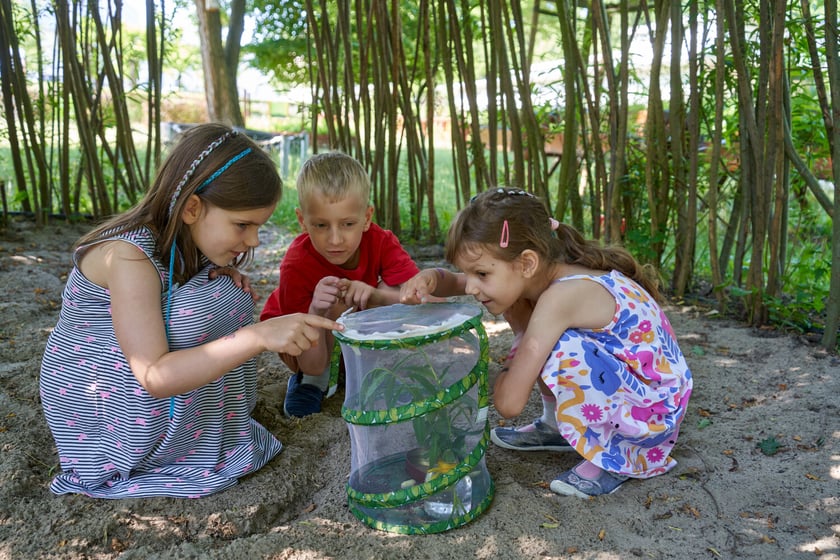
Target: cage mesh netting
(416, 407)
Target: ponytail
(591, 254)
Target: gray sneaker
(572, 484)
(533, 437)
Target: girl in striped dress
(148, 380)
(589, 333)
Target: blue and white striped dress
(115, 440)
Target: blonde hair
(335, 175)
(522, 221)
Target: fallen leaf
(117, 545)
(549, 525)
(601, 534)
(692, 510)
(810, 476)
(767, 539)
(309, 509)
(769, 446)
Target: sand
(758, 472)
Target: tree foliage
(281, 41)
(707, 154)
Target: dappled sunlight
(825, 548)
(26, 259)
(726, 362)
(834, 471)
(495, 327)
(691, 337)
(488, 549)
(160, 524)
(298, 553)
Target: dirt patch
(758, 474)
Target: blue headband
(222, 169)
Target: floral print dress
(114, 439)
(622, 390)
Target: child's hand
(293, 334)
(239, 279)
(419, 289)
(359, 295)
(328, 291)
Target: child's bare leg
(588, 470)
(549, 402)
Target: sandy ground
(758, 474)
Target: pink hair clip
(554, 224)
(505, 239)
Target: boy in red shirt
(341, 260)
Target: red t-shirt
(381, 258)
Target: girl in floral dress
(588, 331)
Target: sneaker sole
(293, 416)
(500, 443)
(565, 489)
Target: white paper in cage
(411, 325)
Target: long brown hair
(505, 222)
(192, 167)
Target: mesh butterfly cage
(416, 408)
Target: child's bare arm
(134, 285)
(432, 284)
(364, 296)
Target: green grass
(806, 273)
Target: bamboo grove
(743, 130)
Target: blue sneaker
(302, 399)
(571, 483)
(533, 437)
